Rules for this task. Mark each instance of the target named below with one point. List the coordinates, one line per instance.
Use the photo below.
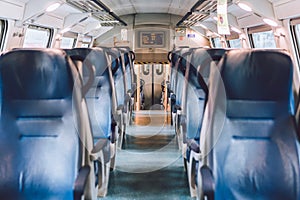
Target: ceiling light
(203, 26)
(245, 7)
(270, 22)
(236, 30)
(65, 30)
(53, 7)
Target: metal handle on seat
(132, 55)
(114, 70)
(170, 56)
(92, 72)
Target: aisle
(150, 166)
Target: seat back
(99, 97)
(40, 147)
(196, 88)
(128, 67)
(118, 75)
(185, 55)
(256, 155)
(173, 59)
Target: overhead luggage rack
(99, 11)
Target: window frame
(293, 24)
(89, 43)
(3, 33)
(259, 29)
(72, 35)
(213, 42)
(37, 27)
(233, 36)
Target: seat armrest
(120, 109)
(133, 88)
(172, 102)
(208, 185)
(127, 102)
(129, 92)
(193, 145)
(177, 109)
(113, 131)
(80, 182)
(183, 128)
(98, 149)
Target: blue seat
(193, 105)
(196, 90)
(100, 108)
(43, 141)
(184, 61)
(256, 155)
(99, 97)
(121, 98)
(127, 57)
(173, 57)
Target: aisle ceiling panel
(124, 7)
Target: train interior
(138, 99)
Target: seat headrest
(96, 56)
(257, 75)
(35, 74)
(174, 57)
(202, 58)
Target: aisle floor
(151, 166)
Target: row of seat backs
(100, 96)
(113, 76)
(44, 130)
(256, 153)
(118, 75)
(195, 90)
(193, 68)
(128, 58)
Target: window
(86, 41)
(262, 37)
(235, 43)
(68, 40)
(264, 40)
(233, 40)
(67, 43)
(3, 30)
(296, 35)
(217, 42)
(37, 37)
(85, 45)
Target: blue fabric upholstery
(202, 59)
(256, 156)
(119, 80)
(181, 75)
(39, 143)
(195, 94)
(128, 68)
(99, 97)
(174, 69)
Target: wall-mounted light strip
(270, 22)
(245, 7)
(53, 7)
